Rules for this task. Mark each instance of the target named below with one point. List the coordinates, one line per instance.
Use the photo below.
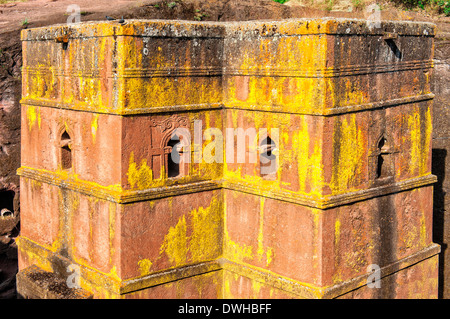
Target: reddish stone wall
(352, 185)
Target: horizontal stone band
(210, 106)
(219, 71)
(130, 196)
(301, 289)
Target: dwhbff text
(225, 308)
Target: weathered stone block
(341, 109)
(34, 283)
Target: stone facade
(441, 157)
(341, 110)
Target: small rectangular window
(66, 151)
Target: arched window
(173, 160)
(267, 158)
(66, 151)
(384, 159)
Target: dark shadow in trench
(394, 48)
(438, 169)
(8, 252)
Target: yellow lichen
(347, 166)
(420, 142)
(299, 94)
(94, 126)
(269, 255)
(145, 266)
(112, 232)
(33, 116)
(175, 244)
(205, 240)
(337, 232)
(140, 176)
(205, 227)
(423, 231)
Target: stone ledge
(330, 201)
(305, 290)
(211, 106)
(301, 289)
(35, 283)
(114, 194)
(207, 29)
(131, 196)
(214, 71)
